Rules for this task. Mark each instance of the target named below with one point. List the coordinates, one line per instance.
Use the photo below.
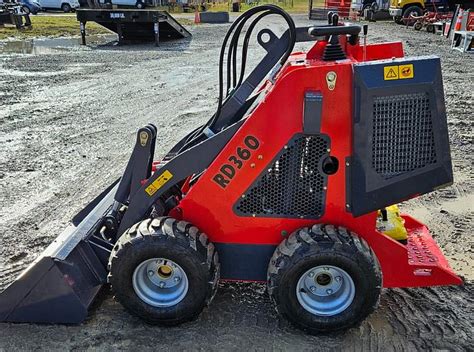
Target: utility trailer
(133, 25)
(11, 13)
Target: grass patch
(292, 6)
(51, 26)
(186, 21)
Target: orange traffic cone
(457, 26)
(197, 18)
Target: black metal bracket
(139, 165)
(189, 162)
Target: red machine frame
(419, 263)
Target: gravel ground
(67, 123)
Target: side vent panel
(293, 184)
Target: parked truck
(403, 9)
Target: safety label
(405, 71)
(158, 183)
(398, 72)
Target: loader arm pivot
(189, 162)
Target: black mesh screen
(293, 185)
(403, 137)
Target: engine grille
(403, 138)
(293, 185)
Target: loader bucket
(60, 285)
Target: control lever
(365, 30)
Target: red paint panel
(277, 118)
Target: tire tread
(174, 230)
(320, 237)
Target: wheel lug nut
(328, 291)
(326, 269)
(177, 279)
(162, 284)
(151, 272)
(312, 288)
(311, 274)
(338, 278)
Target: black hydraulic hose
(198, 136)
(238, 25)
(245, 46)
(234, 60)
(292, 39)
(231, 55)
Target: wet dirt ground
(67, 124)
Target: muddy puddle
(51, 45)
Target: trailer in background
(133, 25)
(12, 13)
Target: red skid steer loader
(292, 182)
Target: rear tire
(343, 274)
(164, 243)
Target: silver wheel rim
(325, 290)
(160, 282)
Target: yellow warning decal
(398, 72)
(390, 72)
(159, 182)
(405, 71)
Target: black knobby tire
(431, 28)
(412, 10)
(318, 246)
(174, 240)
(418, 26)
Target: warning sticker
(405, 71)
(398, 72)
(159, 182)
(390, 72)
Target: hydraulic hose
(232, 83)
(272, 9)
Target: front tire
(324, 278)
(164, 271)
